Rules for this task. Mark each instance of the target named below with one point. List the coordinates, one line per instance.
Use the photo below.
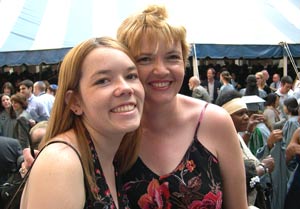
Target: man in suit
(198, 91)
(276, 82)
(211, 84)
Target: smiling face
(110, 94)
(17, 106)
(161, 70)
(5, 102)
(240, 120)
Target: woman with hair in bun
(183, 162)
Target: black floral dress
(194, 184)
(105, 200)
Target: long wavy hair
(63, 119)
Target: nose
(245, 116)
(160, 67)
(123, 88)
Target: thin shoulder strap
(67, 143)
(202, 112)
(201, 117)
(86, 183)
(21, 186)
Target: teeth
(161, 84)
(125, 108)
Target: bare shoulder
(190, 104)
(58, 156)
(212, 114)
(57, 160)
(218, 122)
(57, 167)
(217, 130)
(216, 114)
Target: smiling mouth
(160, 84)
(124, 108)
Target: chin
(131, 126)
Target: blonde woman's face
(258, 79)
(161, 70)
(111, 94)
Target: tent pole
(195, 62)
(284, 65)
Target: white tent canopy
(36, 31)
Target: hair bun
(155, 10)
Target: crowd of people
(116, 133)
(266, 117)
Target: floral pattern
(105, 200)
(194, 184)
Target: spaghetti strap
(181, 185)
(66, 143)
(202, 112)
(200, 118)
(18, 193)
(86, 184)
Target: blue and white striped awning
(42, 31)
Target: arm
(267, 165)
(22, 131)
(28, 160)
(293, 147)
(253, 121)
(43, 112)
(56, 180)
(275, 136)
(225, 144)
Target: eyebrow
(174, 51)
(107, 71)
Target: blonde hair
(261, 75)
(63, 119)
(152, 24)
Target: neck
(157, 116)
(18, 112)
(106, 146)
(42, 93)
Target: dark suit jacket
(10, 153)
(217, 86)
